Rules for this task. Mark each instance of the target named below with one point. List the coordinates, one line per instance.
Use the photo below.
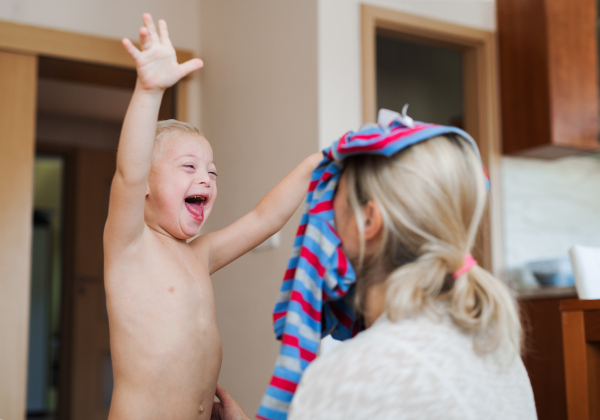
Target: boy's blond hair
(166, 128)
(432, 197)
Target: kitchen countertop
(545, 292)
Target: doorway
(447, 73)
(46, 283)
(80, 109)
(427, 77)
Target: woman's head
(409, 221)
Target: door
(91, 370)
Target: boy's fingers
(163, 32)
(190, 66)
(145, 40)
(219, 392)
(222, 395)
(131, 49)
(151, 28)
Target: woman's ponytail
(432, 197)
(483, 306)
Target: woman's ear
(373, 220)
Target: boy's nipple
(201, 409)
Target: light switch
(270, 243)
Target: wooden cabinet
(581, 343)
(543, 356)
(548, 77)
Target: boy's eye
(213, 173)
(189, 166)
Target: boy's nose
(204, 178)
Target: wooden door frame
(480, 93)
(35, 42)
(17, 118)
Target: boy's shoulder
(148, 245)
(200, 245)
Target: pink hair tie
(470, 262)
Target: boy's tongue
(196, 210)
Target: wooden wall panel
(18, 83)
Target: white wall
(259, 112)
(340, 98)
(115, 19)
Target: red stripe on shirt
(293, 341)
(339, 314)
(301, 230)
(485, 172)
(313, 260)
(342, 263)
(306, 307)
(290, 340)
(283, 384)
(289, 274)
(307, 355)
(321, 207)
(344, 139)
(383, 142)
(278, 315)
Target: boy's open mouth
(195, 206)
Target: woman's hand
(156, 63)
(226, 408)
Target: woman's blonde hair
(431, 196)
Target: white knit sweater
(413, 369)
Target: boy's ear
(373, 220)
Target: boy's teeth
(195, 198)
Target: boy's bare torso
(165, 345)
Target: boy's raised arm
(267, 218)
(157, 69)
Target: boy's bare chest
(175, 266)
(161, 279)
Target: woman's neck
(374, 303)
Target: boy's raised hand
(156, 63)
